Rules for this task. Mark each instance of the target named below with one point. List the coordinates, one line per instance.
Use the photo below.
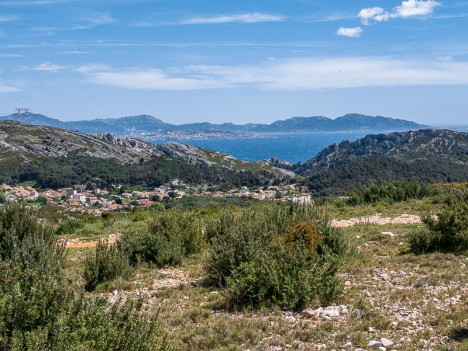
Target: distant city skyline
(235, 61)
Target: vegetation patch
(446, 233)
(286, 255)
(69, 226)
(169, 237)
(390, 192)
(107, 263)
(40, 308)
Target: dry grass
(419, 302)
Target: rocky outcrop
(36, 141)
(412, 146)
(189, 152)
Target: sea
(285, 147)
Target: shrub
(69, 226)
(108, 215)
(107, 263)
(31, 280)
(171, 235)
(395, 191)
(139, 216)
(89, 218)
(448, 233)
(306, 232)
(281, 254)
(39, 309)
(89, 324)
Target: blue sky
(236, 60)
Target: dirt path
(376, 219)
(84, 243)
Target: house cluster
(16, 193)
(80, 196)
(282, 192)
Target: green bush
(39, 308)
(390, 192)
(447, 233)
(69, 226)
(139, 216)
(89, 218)
(107, 263)
(171, 235)
(32, 286)
(286, 255)
(89, 324)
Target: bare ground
(417, 302)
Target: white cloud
(154, 79)
(411, 8)
(44, 67)
(333, 17)
(370, 13)
(445, 58)
(93, 67)
(94, 20)
(235, 18)
(8, 18)
(7, 89)
(31, 2)
(407, 9)
(349, 32)
(11, 55)
(100, 19)
(290, 75)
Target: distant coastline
(174, 135)
(290, 147)
(142, 125)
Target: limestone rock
(374, 344)
(386, 342)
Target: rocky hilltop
(30, 151)
(412, 146)
(31, 142)
(429, 155)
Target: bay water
(284, 147)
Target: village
(117, 198)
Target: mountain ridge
(58, 157)
(430, 155)
(32, 147)
(410, 146)
(146, 123)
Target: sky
(235, 60)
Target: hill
(146, 124)
(36, 119)
(30, 142)
(55, 157)
(434, 144)
(429, 155)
